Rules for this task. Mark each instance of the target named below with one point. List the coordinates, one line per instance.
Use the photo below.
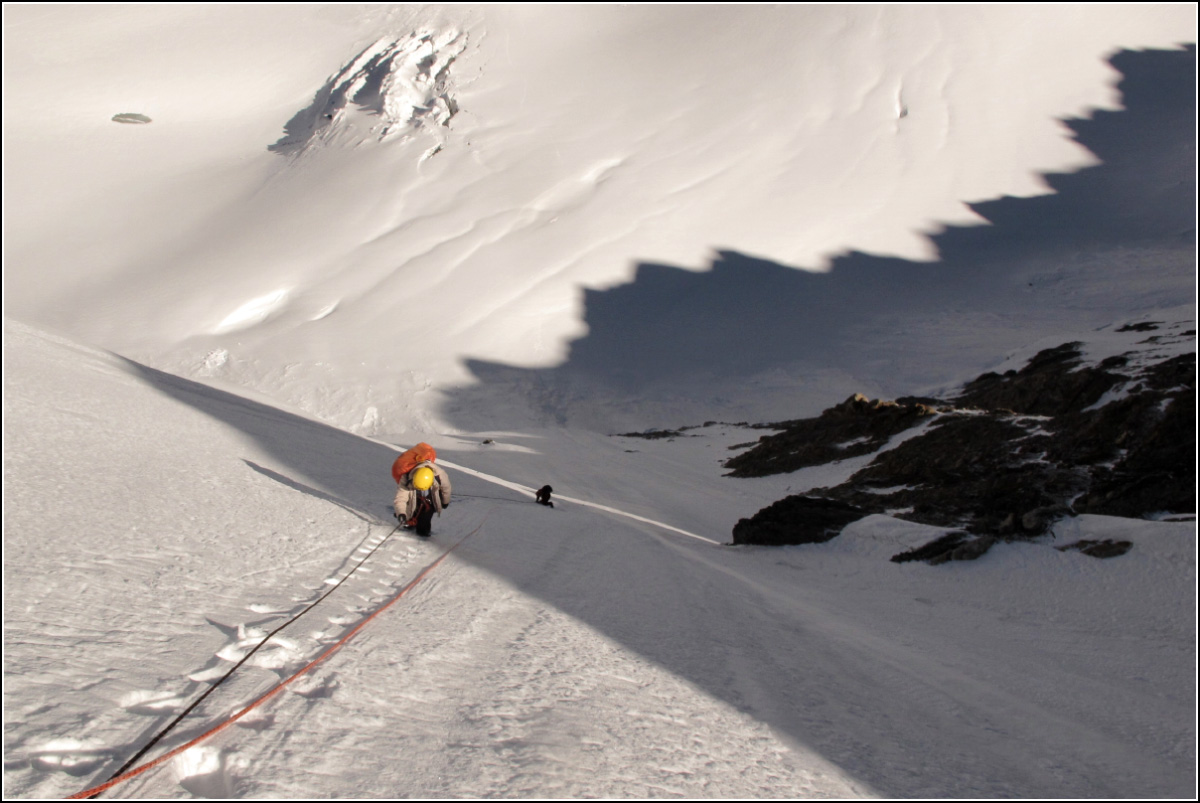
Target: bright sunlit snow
(511, 231)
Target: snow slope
(347, 228)
(324, 188)
(557, 653)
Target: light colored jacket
(405, 503)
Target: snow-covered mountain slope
(346, 228)
(157, 529)
(407, 217)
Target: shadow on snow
(747, 316)
(1042, 265)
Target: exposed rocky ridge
(670, 434)
(1004, 459)
(797, 520)
(857, 426)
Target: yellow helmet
(422, 478)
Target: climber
(422, 488)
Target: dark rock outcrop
(1004, 460)
(796, 520)
(1048, 385)
(855, 427)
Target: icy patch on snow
(253, 312)
(894, 489)
(214, 361)
(207, 675)
(71, 756)
(325, 311)
(401, 84)
(371, 420)
(1117, 393)
(276, 654)
(855, 442)
(151, 702)
(203, 772)
(262, 607)
(1168, 516)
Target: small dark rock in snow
(1107, 548)
(971, 550)
(938, 546)
(653, 434)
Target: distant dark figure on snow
(543, 496)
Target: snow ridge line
(94, 791)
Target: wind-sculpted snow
(253, 312)
(493, 168)
(755, 339)
(395, 86)
(505, 229)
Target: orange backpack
(409, 460)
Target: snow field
(587, 141)
(567, 651)
(475, 678)
(547, 256)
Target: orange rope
(278, 687)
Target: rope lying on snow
(121, 775)
(247, 656)
(493, 498)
